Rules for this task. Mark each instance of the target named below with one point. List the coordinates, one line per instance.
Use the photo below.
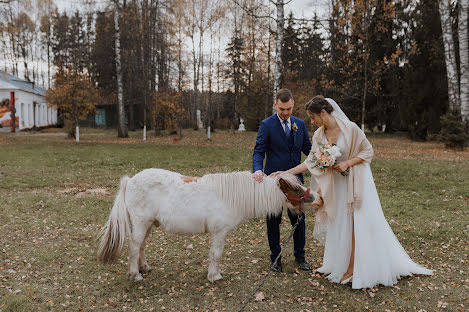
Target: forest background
(382, 61)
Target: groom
(281, 139)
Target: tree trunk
(121, 127)
(464, 58)
(77, 134)
(450, 58)
(367, 55)
(48, 63)
(209, 101)
(365, 90)
(278, 48)
(267, 95)
(195, 81)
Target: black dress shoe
(277, 267)
(302, 264)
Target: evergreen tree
(291, 52)
(425, 93)
(311, 52)
(60, 39)
(77, 43)
(103, 71)
(236, 70)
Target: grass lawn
(56, 195)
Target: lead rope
(273, 264)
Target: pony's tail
(115, 231)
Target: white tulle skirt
(379, 257)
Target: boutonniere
(294, 127)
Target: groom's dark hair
(284, 95)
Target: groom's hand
(258, 175)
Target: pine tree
(311, 52)
(236, 70)
(424, 93)
(291, 52)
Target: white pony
(214, 203)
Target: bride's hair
(318, 103)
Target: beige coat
(359, 147)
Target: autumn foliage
(74, 96)
(168, 112)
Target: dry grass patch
(54, 202)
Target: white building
(30, 103)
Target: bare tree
(280, 22)
(450, 57)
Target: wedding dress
(379, 257)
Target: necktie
(287, 130)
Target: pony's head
(298, 196)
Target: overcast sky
(300, 8)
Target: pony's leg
(137, 238)
(215, 253)
(143, 266)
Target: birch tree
(121, 127)
(464, 58)
(279, 5)
(450, 55)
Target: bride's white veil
(320, 226)
(338, 113)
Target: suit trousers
(273, 234)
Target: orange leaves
(168, 108)
(73, 94)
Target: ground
(55, 196)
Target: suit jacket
(279, 152)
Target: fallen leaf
(259, 296)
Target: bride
(359, 245)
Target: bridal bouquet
(326, 156)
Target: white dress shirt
(285, 125)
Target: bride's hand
(341, 166)
(276, 173)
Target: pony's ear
(284, 186)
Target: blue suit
(281, 153)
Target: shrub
(453, 130)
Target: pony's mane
(247, 196)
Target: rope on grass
(249, 299)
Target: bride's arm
(354, 161)
(296, 170)
(365, 154)
(344, 165)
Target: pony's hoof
(134, 277)
(145, 269)
(214, 277)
